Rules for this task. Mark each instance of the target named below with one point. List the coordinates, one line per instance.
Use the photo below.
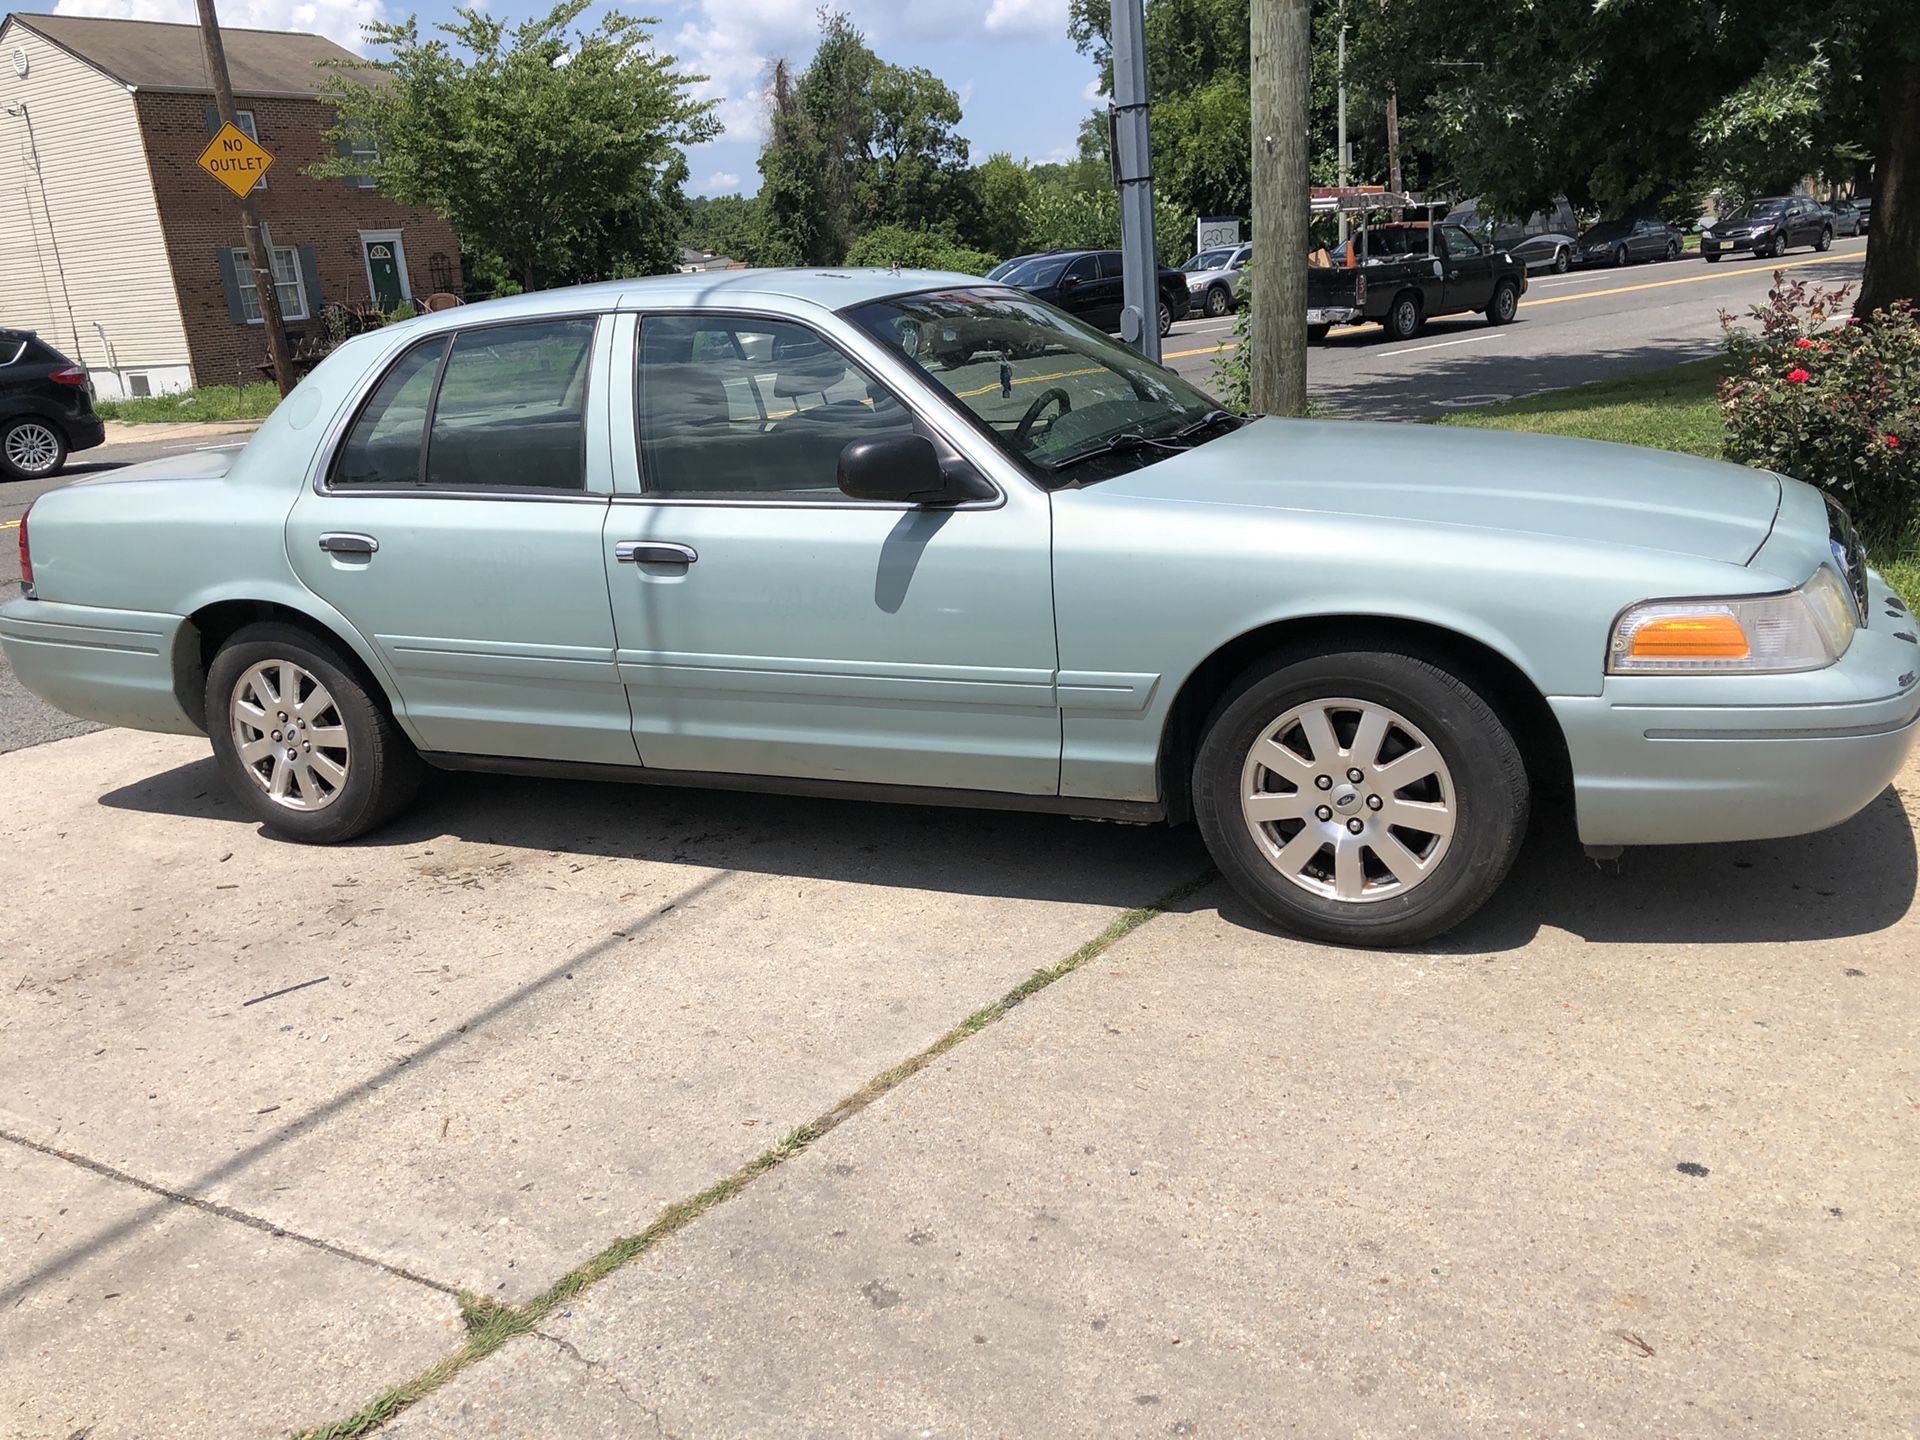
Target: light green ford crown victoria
(915, 537)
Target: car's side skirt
(1125, 812)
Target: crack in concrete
(659, 1429)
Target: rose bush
(1838, 407)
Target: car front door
(457, 527)
(1079, 290)
(1469, 271)
(770, 625)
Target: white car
(1213, 278)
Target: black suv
(1087, 285)
(46, 408)
(1768, 227)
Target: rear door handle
(336, 542)
(654, 552)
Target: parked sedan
(1090, 284)
(1769, 228)
(46, 408)
(1849, 219)
(1621, 242)
(738, 532)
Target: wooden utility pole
(257, 252)
(1282, 33)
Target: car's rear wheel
(32, 449)
(1317, 333)
(1673, 251)
(1562, 261)
(1368, 798)
(301, 740)
(1219, 302)
(1506, 303)
(1166, 319)
(1404, 320)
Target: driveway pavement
(581, 1111)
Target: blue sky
(1023, 86)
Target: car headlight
(1764, 229)
(1804, 629)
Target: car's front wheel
(301, 740)
(1562, 261)
(32, 449)
(1219, 302)
(1673, 251)
(1506, 303)
(1369, 798)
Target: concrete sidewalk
(308, 1095)
(120, 432)
(1633, 1156)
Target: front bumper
(1685, 759)
(1710, 245)
(113, 666)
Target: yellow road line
(1550, 300)
(9, 524)
(1029, 380)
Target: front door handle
(654, 552)
(336, 542)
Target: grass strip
(209, 402)
(491, 1324)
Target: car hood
(1578, 490)
(1740, 227)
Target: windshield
(1761, 210)
(1040, 270)
(1609, 230)
(1208, 260)
(1048, 389)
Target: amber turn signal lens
(1691, 637)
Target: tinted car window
(383, 448)
(1037, 273)
(1205, 260)
(511, 407)
(1081, 269)
(737, 407)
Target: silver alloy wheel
(32, 448)
(290, 735)
(1348, 800)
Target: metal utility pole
(1282, 35)
(1133, 173)
(1341, 139)
(263, 283)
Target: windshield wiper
(1128, 440)
(1212, 417)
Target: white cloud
(1027, 17)
(720, 182)
(338, 20)
(1093, 90)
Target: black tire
(1405, 319)
(382, 769)
(1489, 800)
(1219, 301)
(1673, 251)
(31, 436)
(1621, 257)
(1712, 259)
(1506, 303)
(1562, 260)
(1317, 333)
(1825, 242)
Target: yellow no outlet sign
(234, 159)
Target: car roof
(717, 289)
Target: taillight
(26, 555)
(69, 375)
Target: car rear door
(1112, 288)
(767, 623)
(457, 524)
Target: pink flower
(1893, 442)
(1798, 377)
(1825, 346)
(1803, 343)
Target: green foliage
(1059, 217)
(1233, 368)
(557, 151)
(886, 245)
(208, 402)
(1002, 188)
(1763, 137)
(725, 224)
(1837, 408)
(856, 142)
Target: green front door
(383, 264)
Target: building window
(286, 280)
(360, 149)
(244, 119)
(139, 385)
(439, 271)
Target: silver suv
(1213, 278)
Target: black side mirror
(905, 470)
(1069, 282)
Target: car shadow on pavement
(1856, 879)
(985, 852)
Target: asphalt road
(1572, 329)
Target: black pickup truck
(1401, 275)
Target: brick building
(125, 255)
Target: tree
(560, 153)
(917, 169)
(886, 245)
(1002, 189)
(725, 224)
